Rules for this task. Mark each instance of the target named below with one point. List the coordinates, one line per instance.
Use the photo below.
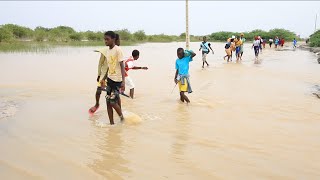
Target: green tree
(124, 34)
(139, 35)
(221, 36)
(42, 28)
(41, 33)
(182, 35)
(162, 38)
(61, 33)
(282, 33)
(75, 37)
(257, 32)
(5, 35)
(18, 31)
(94, 36)
(315, 39)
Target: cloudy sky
(165, 16)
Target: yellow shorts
(184, 87)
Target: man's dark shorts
(112, 89)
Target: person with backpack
(228, 51)
(256, 46)
(205, 47)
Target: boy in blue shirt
(182, 73)
(205, 47)
(294, 43)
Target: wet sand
(245, 121)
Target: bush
(40, 35)
(315, 39)
(18, 31)
(221, 36)
(256, 32)
(182, 35)
(75, 37)
(124, 34)
(5, 35)
(139, 35)
(11, 32)
(60, 33)
(281, 33)
(94, 36)
(162, 38)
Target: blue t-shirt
(182, 65)
(294, 42)
(205, 46)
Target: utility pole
(187, 26)
(315, 23)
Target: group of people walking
(113, 68)
(113, 75)
(234, 44)
(278, 42)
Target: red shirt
(128, 64)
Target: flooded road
(245, 121)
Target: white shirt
(256, 43)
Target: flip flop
(93, 109)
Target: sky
(168, 17)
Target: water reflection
(110, 163)
(181, 134)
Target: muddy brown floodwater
(245, 121)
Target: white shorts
(204, 57)
(129, 82)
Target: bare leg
(131, 93)
(181, 98)
(184, 97)
(98, 93)
(110, 113)
(119, 102)
(117, 108)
